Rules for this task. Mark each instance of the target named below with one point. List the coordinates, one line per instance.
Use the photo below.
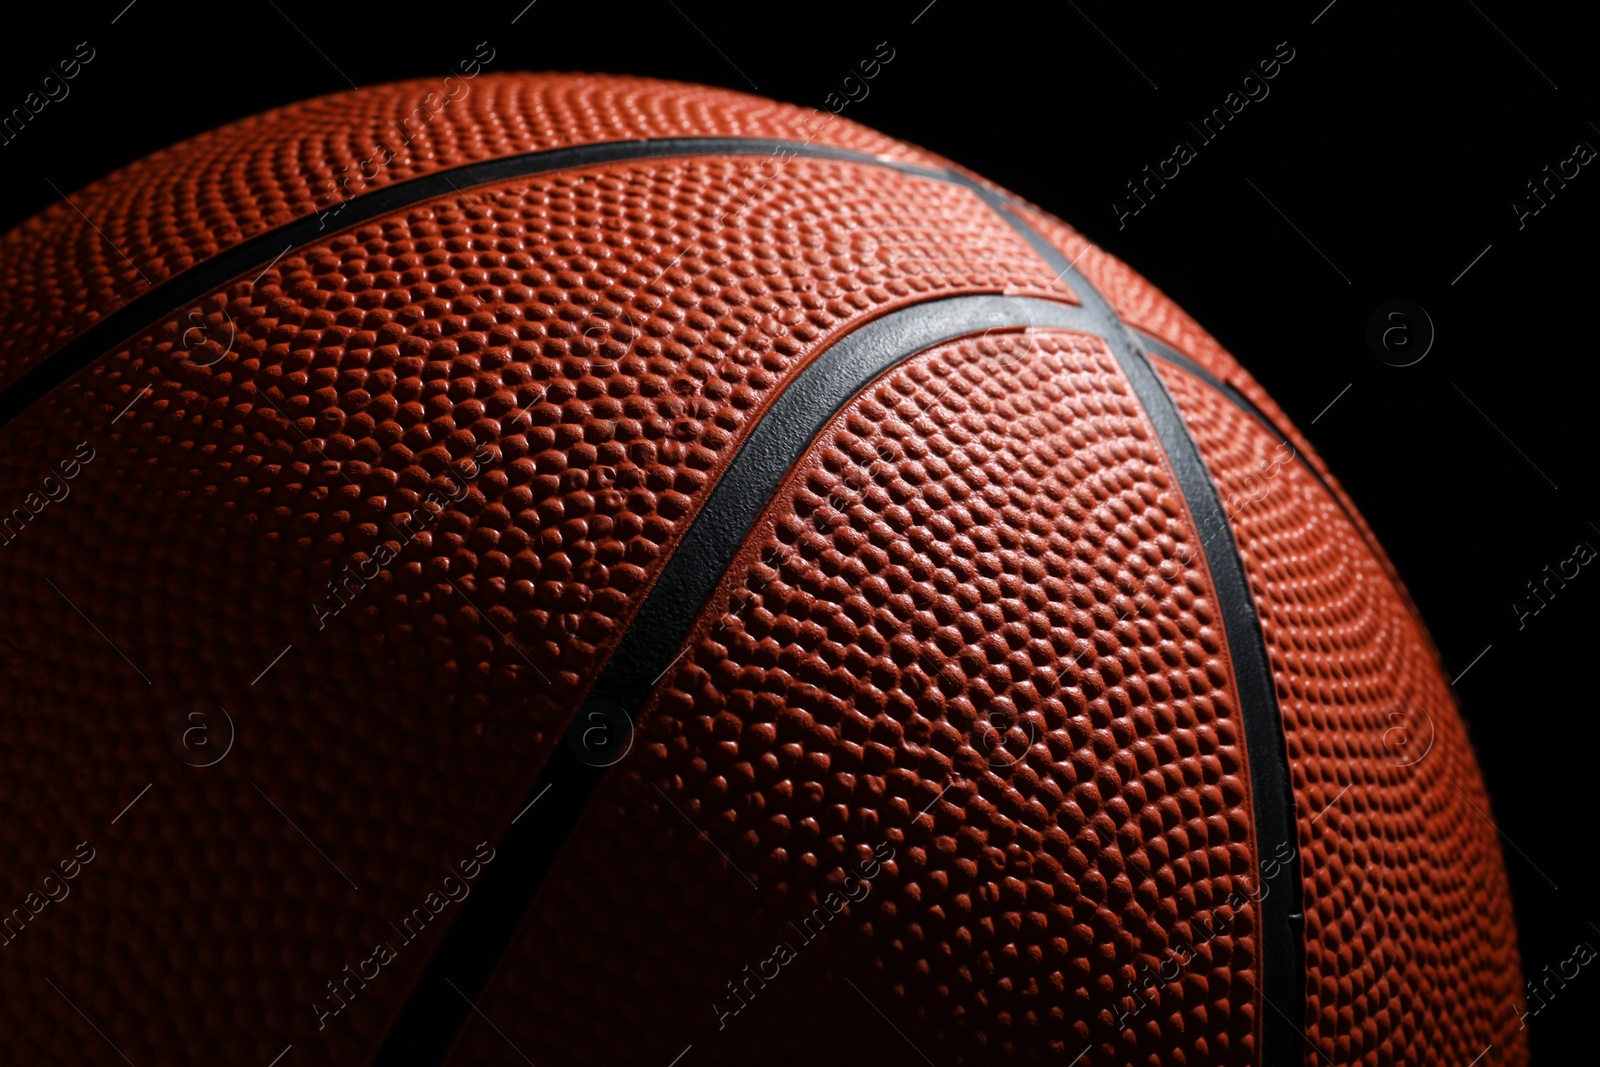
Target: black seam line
(485, 927)
(1164, 352)
(235, 262)
(1167, 354)
(1161, 350)
(1282, 949)
(1240, 622)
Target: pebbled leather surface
(701, 558)
(74, 263)
(604, 338)
(980, 538)
(545, 378)
(1411, 951)
(442, 1002)
(1410, 939)
(1142, 305)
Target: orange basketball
(585, 570)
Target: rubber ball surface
(646, 574)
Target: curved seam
(1167, 354)
(141, 313)
(1266, 744)
(1263, 728)
(435, 1013)
(1164, 352)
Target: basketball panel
(1411, 951)
(116, 239)
(958, 730)
(388, 505)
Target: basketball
(564, 569)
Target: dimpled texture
(1142, 305)
(1427, 959)
(969, 638)
(115, 239)
(1411, 953)
(524, 392)
(388, 506)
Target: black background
(1383, 162)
